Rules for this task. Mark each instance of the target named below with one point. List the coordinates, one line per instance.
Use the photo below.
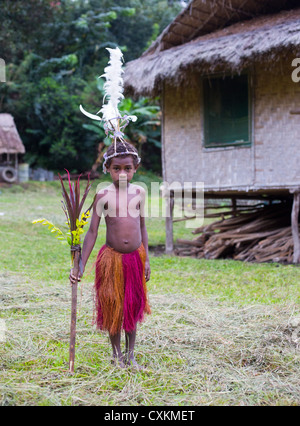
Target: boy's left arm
(144, 234)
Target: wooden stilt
(295, 226)
(169, 222)
(233, 204)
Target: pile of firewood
(259, 233)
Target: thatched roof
(230, 49)
(201, 17)
(10, 141)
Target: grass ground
(220, 332)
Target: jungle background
(54, 53)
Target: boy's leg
(115, 340)
(130, 342)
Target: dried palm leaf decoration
(114, 122)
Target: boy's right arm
(90, 238)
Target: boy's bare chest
(122, 204)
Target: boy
(122, 265)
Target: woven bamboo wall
(185, 157)
(277, 132)
(273, 158)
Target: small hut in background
(11, 146)
(230, 108)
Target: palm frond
(73, 205)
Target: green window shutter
(226, 111)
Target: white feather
(92, 116)
(132, 118)
(113, 88)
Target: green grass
(220, 331)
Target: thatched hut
(10, 146)
(223, 70)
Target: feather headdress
(114, 122)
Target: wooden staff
(77, 253)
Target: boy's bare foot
(131, 362)
(118, 362)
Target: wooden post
(295, 225)
(233, 203)
(74, 313)
(169, 222)
(16, 165)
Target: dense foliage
(54, 52)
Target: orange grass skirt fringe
(120, 289)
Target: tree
(138, 30)
(54, 52)
(21, 26)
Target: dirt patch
(160, 249)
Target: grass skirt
(120, 289)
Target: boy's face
(122, 169)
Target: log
(184, 218)
(189, 242)
(263, 234)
